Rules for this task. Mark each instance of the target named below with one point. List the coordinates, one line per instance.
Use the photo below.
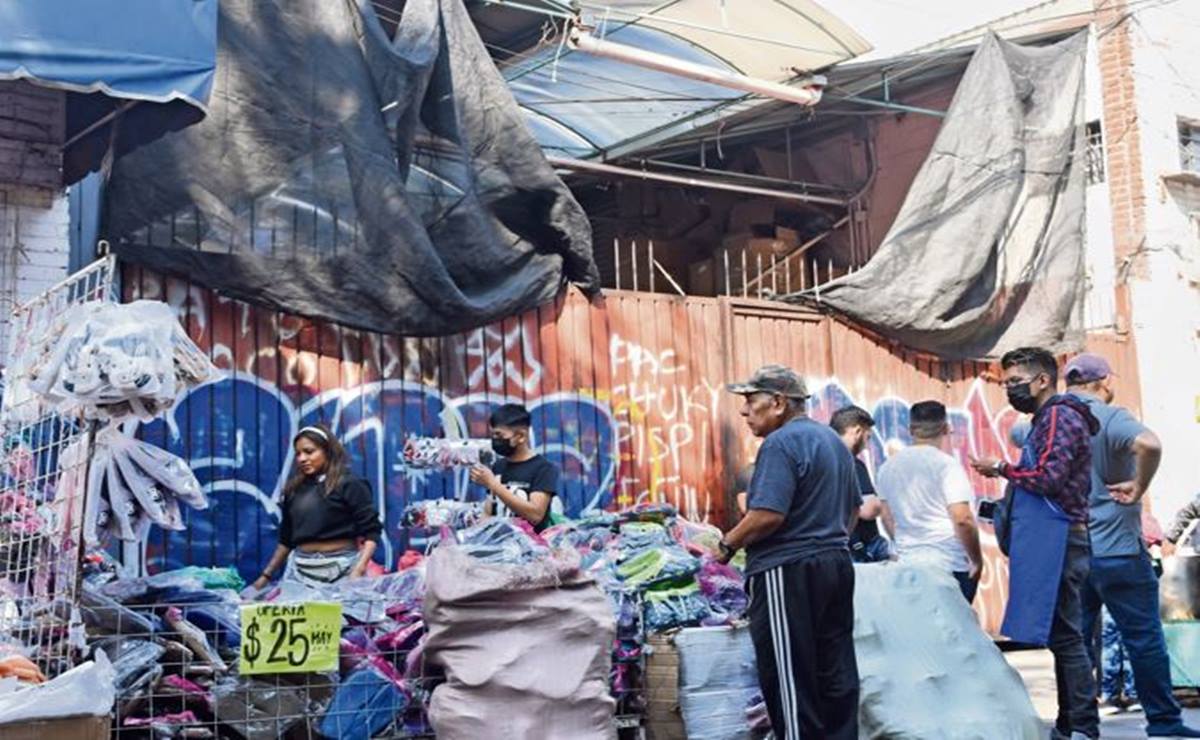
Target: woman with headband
(326, 514)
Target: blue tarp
(159, 56)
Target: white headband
(315, 430)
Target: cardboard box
(64, 728)
(756, 246)
(663, 719)
(748, 213)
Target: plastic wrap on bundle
(654, 565)
(500, 541)
(437, 453)
(717, 681)
(163, 509)
(443, 512)
(169, 470)
(656, 513)
(195, 639)
(365, 703)
(105, 616)
(85, 690)
(724, 589)
(131, 660)
(258, 710)
(700, 539)
(680, 606)
(201, 577)
(115, 360)
(635, 536)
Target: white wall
(34, 247)
(1100, 305)
(1166, 300)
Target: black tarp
(987, 252)
(387, 184)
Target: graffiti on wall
(629, 416)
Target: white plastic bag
(87, 689)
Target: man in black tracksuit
(802, 498)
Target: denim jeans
(1077, 710)
(1126, 584)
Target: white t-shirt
(918, 483)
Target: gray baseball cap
(772, 379)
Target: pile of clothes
(174, 639)
(660, 574)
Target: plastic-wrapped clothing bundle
(654, 565)
(133, 484)
(543, 675)
(261, 710)
(105, 615)
(635, 536)
(700, 539)
(86, 689)
(657, 513)
(443, 512)
(678, 606)
(365, 703)
(724, 590)
(112, 360)
(195, 639)
(438, 453)
(718, 679)
(131, 659)
(926, 668)
(501, 541)
(224, 578)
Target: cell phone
(987, 509)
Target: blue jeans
(1126, 584)
(1116, 674)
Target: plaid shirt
(1062, 447)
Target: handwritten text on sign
(290, 638)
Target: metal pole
(617, 260)
(807, 93)
(581, 165)
(633, 259)
(652, 263)
(670, 279)
(728, 288)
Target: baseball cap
(772, 379)
(1087, 368)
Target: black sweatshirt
(311, 515)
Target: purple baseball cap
(1087, 368)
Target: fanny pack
(324, 566)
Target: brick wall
(1127, 193)
(32, 126)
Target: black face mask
(1021, 398)
(503, 447)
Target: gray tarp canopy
(987, 252)
(383, 183)
(149, 61)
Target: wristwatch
(727, 552)
(999, 467)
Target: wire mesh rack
(43, 478)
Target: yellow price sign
(290, 638)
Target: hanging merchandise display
(133, 484)
(109, 361)
(438, 453)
